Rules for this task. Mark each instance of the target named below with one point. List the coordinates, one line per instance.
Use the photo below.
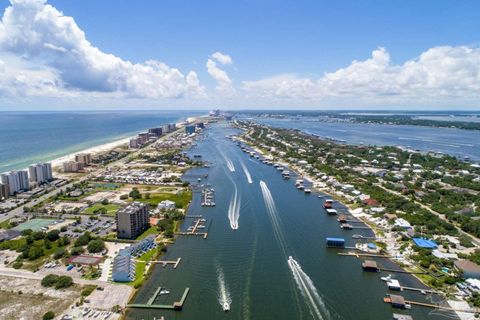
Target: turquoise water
(29, 137)
(250, 266)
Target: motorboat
(387, 278)
(226, 306)
(164, 292)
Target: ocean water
(29, 137)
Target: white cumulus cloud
(224, 83)
(36, 32)
(438, 73)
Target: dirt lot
(26, 299)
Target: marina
(263, 242)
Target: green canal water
(250, 268)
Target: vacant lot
(27, 299)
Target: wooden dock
(193, 232)
(166, 262)
(204, 234)
(358, 255)
(400, 271)
(177, 305)
(420, 290)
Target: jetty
(177, 305)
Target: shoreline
(361, 216)
(103, 147)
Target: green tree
(60, 252)
(48, 315)
(83, 239)
(53, 235)
(95, 246)
(135, 194)
(63, 282)
(35, 252)
(75, 251)
(49, 280)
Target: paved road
(33, 202)
(475, 240)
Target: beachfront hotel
(16, 181)
(40, 172)
(84, 158)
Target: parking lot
(99, 227)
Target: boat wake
(234, 210)
(228, 162)
(309, 292)
(223, 295)
(230, 165)
(305, 285)
(247, 173)
(273, 215)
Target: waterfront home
(123, 269)
(468, 268)
(166, 205)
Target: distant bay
(455, 142)
(29, 137)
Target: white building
(16, 181)
(40, 172)
(166, 205)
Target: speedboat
(226, 306)
(387, 278)
(164, 292)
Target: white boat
(387, 278)
(308, 190)
(164, 292)
(226, 306)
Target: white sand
(107, 146)
(93, 150)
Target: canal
(249, 267)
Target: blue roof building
(190, 129)
(425, 243)
(335, 242)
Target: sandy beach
(93, 150)
(57, 163)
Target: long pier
(358, 255)
(177, 305)
(401, 271)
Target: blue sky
(278, 53)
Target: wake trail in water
(273, 215)
(247, 173)
(234, 210)
(224, 298)
(309, 291)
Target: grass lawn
(182, 199)
(139, 274)
(146, 233)
(111, 208)
(149, 255)
(5, 224)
